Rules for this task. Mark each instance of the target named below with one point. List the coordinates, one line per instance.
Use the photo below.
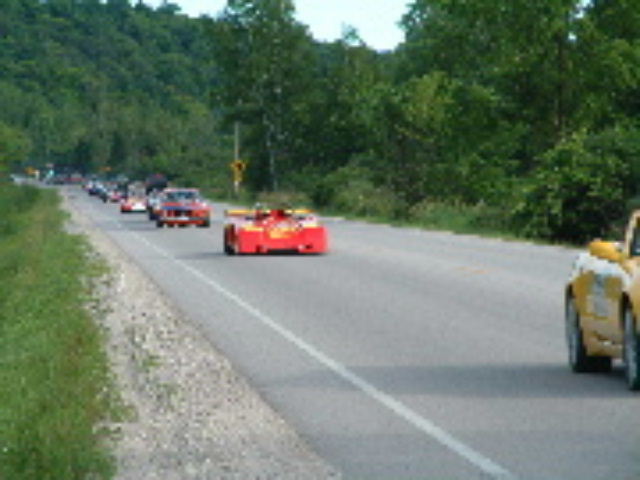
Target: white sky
(375, 20)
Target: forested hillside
(513, 115)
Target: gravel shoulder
(192, 416)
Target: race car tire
(228, 249)
(631, 353)
(205, 224)
(579, 360)
(159, 223)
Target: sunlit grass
(54, 378)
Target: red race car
(133, 203)
(273, 230)
(182, 206)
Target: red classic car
(273, 230)
(182, 207)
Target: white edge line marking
(485, 464)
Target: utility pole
(236, 140)
(236, 158)
(275, 140)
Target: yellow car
(602, 306)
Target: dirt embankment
(192, 416)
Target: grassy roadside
(54, 376)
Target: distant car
(156, 181)
(94, 187)
(181, 207)
(102, 192)
(56, 179)
(75, 178)
(273, 230)
(152, 203)
(18, 179)
(602, 306)
(113, 195)
(133, 204)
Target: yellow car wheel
(631, 354)
(579, 360)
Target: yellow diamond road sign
(238, 166)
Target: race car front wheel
(579, 360)
(631, 354)
(228, 249)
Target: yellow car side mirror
(605, 250)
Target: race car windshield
(181, 196)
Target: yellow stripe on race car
(282, 232)
(238, 212)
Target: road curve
(403, 353)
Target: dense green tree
(14, 148)
(527, 109)
(521, 50)
(264, 57)
(608, 57)
(577, 192)
(88, 81)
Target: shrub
(576, 193)
(460, 217)
(350, 189)
(284, 199)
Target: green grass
(55, 387)
(481, 220)
(459, 218)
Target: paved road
(403, 354)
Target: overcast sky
(375, 20)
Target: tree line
(520, 116)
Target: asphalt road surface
(402, 354)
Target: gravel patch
(192, 416)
